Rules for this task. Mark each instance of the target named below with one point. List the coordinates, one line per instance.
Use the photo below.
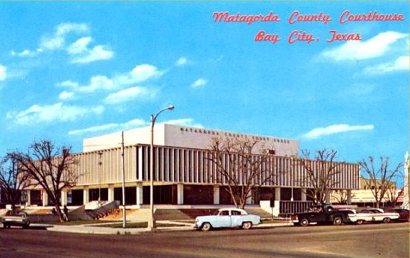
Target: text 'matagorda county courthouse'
(183, 174)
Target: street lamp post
(100, 153)
(151, 221)
(291, 177)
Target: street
(370, 240)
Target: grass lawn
(138, 225)
(80, 222)
(274, 221)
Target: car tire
(359, 222)
(304, 222)
(386, 220)
(206, 226)
(337, 220)
(247, 225)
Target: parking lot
(369, 240)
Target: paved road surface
(372, 240)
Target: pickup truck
(227, 218)
(15, 219)
(321, 214)
(373, 215)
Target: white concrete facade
(183, 172)
(188, 137)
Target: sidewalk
(93, 229)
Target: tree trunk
(60, 214)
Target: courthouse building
(183, 173)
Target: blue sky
(81, 69)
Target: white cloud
(66, 95)
(128, 94)
(184, 122)
(98, 82)
(69, 84)
(82, 54)
(402, 63)
(181, 61)
(25, 53)
(79, 46)
(96, 53)
(199, 83)
(139, 73)
(110, 127)
(57, 112)
(335, 129)
(360, 50)
(79, 50)
(52, 43)
(64, 28)
(57, 40)
(3, 73)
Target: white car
(227, 218)
(373, 215)
(15, 219)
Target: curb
(86, 229)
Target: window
(224, 213)
(235, 213)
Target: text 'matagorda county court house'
(182, 171)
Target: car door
(223, 219)
(236, 218)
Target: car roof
(231, 209)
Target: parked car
(373, 215)
(13, 218)
(321, 214)
(227, 218)
(403, 214)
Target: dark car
(321, 214)
(404, 214)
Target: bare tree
(239, 167)
(393, 194)
(321, 170)
(12, 182)
(379, 179)
(49, 167)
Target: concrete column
(216, 194)
(110, 193)
(140, 167)
(64, 197)
(86, 197)
(303, 195)
(276, 208)
(28, 201)
(328, 193)
(277, 194)
(180, 194)
(349, 196)
(249, 198)
(44, 198)
(139, 195)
